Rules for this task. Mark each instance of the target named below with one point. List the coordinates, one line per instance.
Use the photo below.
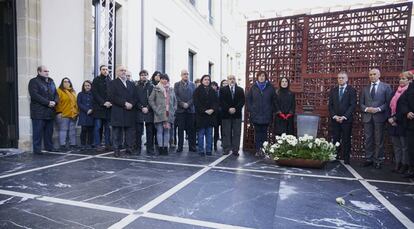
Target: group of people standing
(113, 113)
(382, 110)
(197, 109)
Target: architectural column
(28, 58)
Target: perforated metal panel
(311, 49)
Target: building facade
(72, 38)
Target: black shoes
(367, 163)
(163, 151)
(377, 165)
(179, 149)
(117, 153)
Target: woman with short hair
(163, 103)
(259, 100)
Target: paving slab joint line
(161, 198)
(138, 213)
(404, 220)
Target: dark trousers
(410, 145)
(374, 141)
(101, 123)
(186, 121)
(260, 135)
(341, 132)
(118, 135)
(86, 135)
(231, 131)
(42, 129)
(149, 134)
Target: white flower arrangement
(306, 147)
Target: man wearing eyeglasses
(374, 102)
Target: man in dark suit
(342, 103)
(375, 99)
(122, 95)
(231, 103)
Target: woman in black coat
(85, 120)
(396, 126)
(407, 114)
(285, 105)
(260, 106)
(206, 105)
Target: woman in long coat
(260, 106)
(163, 103)
(396, 126)
(206, 104)
(285, 105)
(86, 121)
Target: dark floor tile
(247, 160)
(243, 199)
(27, 160)
(102, 181)
(17, 212)
(274, 201)
(379, 174)
(183, 157)
(401, 196)
(143, 222)
(309, 202)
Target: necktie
(373, 91)
(341, 92)
(232, 92)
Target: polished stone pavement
(87, 189)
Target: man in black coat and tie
(123, 96)
(374, 102)
(342, 103)
(232, 100)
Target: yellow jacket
(67, 105)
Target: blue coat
(85, 102)
(260, 104)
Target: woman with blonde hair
(397, 127)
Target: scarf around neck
(165, 89)
(261, 86)
(396, 97)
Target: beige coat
(157, 103)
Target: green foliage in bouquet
(306, 147)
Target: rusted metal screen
(311, 49)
